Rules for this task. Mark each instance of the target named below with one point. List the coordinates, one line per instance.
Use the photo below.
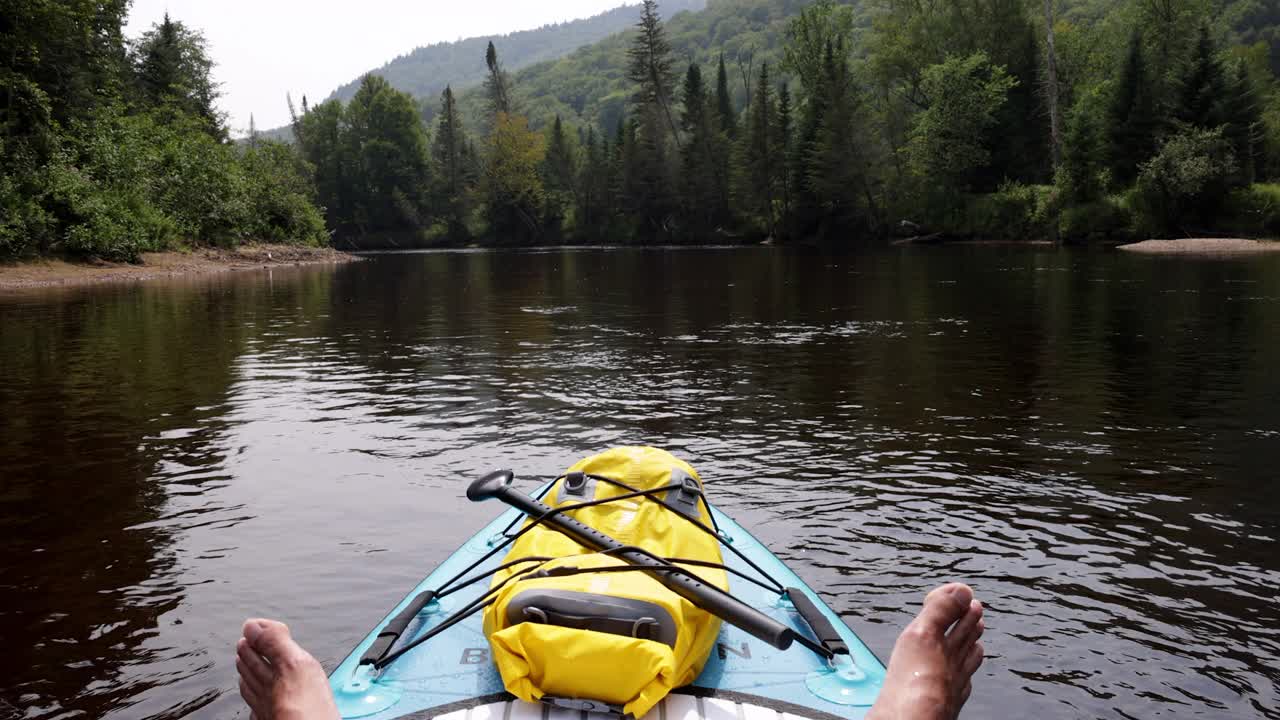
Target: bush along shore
(113, 149)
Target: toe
(964, 632)
(256, 702)
(966, 691)
(250, 663)
(271, 640)
(973, 660)
(945, 606)
(260, 685)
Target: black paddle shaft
(708, 597)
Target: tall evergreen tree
(449, 155)
(784, 154)
(1133, 118)
(1242, 112)
(593, 183)
(835, 163)
(699, 173)
(724, 102)
(497, 84)
(650, 64)
(1084, 154)
(760, 159)
(174, 70)
(1203, 85)
(558, 176)
(621, 169)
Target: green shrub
(1106, 218)
(24, 224)
(199, 183)
(1253, 211)
(110, 220)
(281, 205)
(1014, 212)
(1186, 182)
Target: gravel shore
(47, 273)
(1204, 246)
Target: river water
(1090, 439)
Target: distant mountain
(589, 86)
(425, 71)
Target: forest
(833, 122)
(109, 148)
(842, 123)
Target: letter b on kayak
(585, 625)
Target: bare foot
(278, 679)
(931, 668)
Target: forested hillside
(109, 147)
(425, 71)
(823, 121)
(843, 122)
(590, 85)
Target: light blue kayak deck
(454, 669)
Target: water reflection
(1087, 437)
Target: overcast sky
(265, 48)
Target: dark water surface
(1092, 440)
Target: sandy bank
(1203, 246)
(48, 273)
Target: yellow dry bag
(584, 626)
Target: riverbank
(46, 273)
(1203, 246)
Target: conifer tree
(760, 160)
(783, 153)
(449, 154)
(650, 65)
(497, 84)
(1242, 112)
(593, 184)
(724, 102)
(699, 173)
(1084, 153)
(557, 175)
(619, 166)
(174, 70)
(1132, 118)
(624, 169)
(833, 167)
(1202, 85)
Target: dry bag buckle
(578, 484)
(683, 499)
(591, 706)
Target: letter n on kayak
(724, 651)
